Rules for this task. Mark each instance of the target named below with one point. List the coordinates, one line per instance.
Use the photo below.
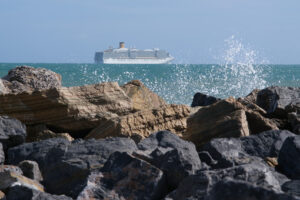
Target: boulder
(226, 118)
(3, 89)
(2, 155)
(289, 157)
(265, 144)
(275, 99)
(200, 186)
(31, 170)
(26, 78)
(142, 98)
(125, 177)
(175, 157)
(65, 166)
(18, 192)
(252, 96)
(2, 196)
(203, 100)
(143, 123)
(72, 110)
(12, 132)
(229, 189)
(292, 187)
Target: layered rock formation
(143, 123)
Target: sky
(193, 31)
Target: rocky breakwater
(130, 144)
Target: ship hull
(137, 61)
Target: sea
(177, 83)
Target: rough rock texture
(226, 118)
(26, 78)
(231, 189)
(3, 89)
(64, 165)
(142, 98)
(294, 120)
(20, 192)
(73, 109)
(2, 155)
(203, 100)
(176, 157)
(125, 177)
(265, 144)
(275, 99)
(31, 170)
(143, 123)
(292, 187)
(199, 186)
(289, 157)
(12, 132)
(252, 96)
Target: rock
(73, 110)
(294, 120)
(275, 99)
(229, 189)
(11, 168)
(252, 96)
(175, 157)
(12, 132)
(125, 177)
(265, 144)
(2, 155)
(142, 98)
(3, 89)
(26, 78)
(31, 170)
(18, 192)
(272, 162)
(289, 157)
(199, 186)
(143, 123)
(2, 195)
(65, 166)
(292, 187)
(226, 118)
(203, 100)
(9, 178)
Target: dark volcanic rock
(294, 120)
(292, 187)
(26, 78)
(20, 192)
(265, 144)
(31, 170)
(12, 132)
(2, 156)
(275, 99)
(125, 177)
(64, 165)
(203, 100)
(199, 186)
(289, 157)
(231, 189)
(176, 157)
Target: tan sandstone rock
(68, 109)
(226, 118)
(2, 195)
(143, 123)
(142, 98)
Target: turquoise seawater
(178, 83)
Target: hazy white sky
(193, 31)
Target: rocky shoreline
(112, 142)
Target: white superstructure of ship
(124, 55)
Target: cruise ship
(124, 55)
